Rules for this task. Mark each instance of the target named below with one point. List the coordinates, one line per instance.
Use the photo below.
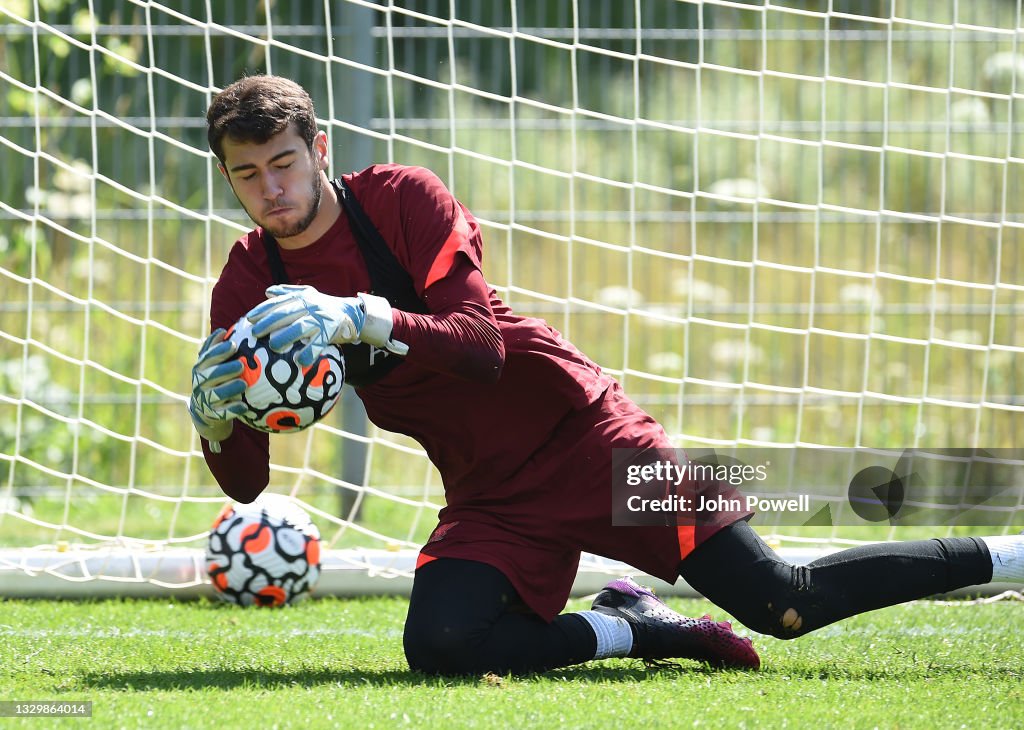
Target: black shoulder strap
(277, 270)
(365, 365)
(388, 278)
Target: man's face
(277, 182)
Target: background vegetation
(773, 225)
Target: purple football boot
(660, 633)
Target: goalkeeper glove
(217, 389)
(295, 313)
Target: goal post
(787, 224)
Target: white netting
(778, 223)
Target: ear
(321, 150)
(223, 171)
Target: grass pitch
(333, 663)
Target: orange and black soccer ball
(280, 395)
(263, 554)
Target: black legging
(466, 618)
(737, 571)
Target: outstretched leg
(736, 570)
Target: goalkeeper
(520, 424)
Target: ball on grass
(266, 553)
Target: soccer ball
(266, 553)
(281, 396)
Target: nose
(272, 189)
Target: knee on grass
(439, 649)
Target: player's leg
(465, 617)
(736, 570)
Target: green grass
(338, 663)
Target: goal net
(779, 224)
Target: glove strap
(377, 328)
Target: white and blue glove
(294, 313)
(217, 389)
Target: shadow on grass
(919, 669)
(229, 679)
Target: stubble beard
(286, 231)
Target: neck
(330, 209)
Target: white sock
(614, 637)
(1007, 558)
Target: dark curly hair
(255, 108)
